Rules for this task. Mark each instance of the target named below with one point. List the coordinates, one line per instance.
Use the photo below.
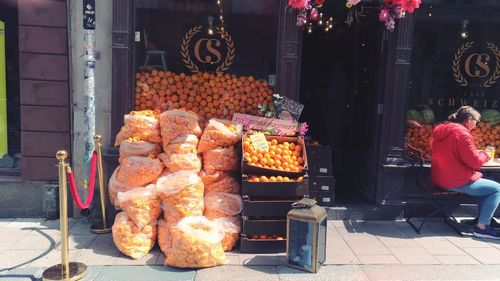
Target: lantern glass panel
(301, 244)
(322, 242)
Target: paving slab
(238, 273)
(431, 272)
(469, 242)
(378, 259)
(485, 255)
(260, 259)
(440, 247)
(148, 259)
(457, 259)
(326, 273)
(22, 274)
(102, 257)
(21, 258)
(36, 240)
(413, 255)
(144, 273)
(53, 258)
(367, 246)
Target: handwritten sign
(264, 124)
(289, 109)
(259, 142)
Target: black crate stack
(265, 206)
(321, 180)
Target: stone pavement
(356, 250)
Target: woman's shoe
(488, 232)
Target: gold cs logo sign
(482, 67)
(208, 50)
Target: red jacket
(455, 158)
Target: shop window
(456, 61)
(9, 88)
(176, 38)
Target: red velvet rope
(73, 189)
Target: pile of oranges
(209, 95)
(266, 237)
(420, 138)
(283, 156)
(487, 135)
(274, 179)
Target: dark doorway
(339, 90)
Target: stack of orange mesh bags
(131, 186)
(200, 207)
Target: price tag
(325, 187)
(323, 170)
(326, 199)
(259, 142)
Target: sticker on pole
(259, 142)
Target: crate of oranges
(285, 156)
(253, 185)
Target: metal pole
(104, 228)
(65, 270)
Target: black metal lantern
(306, 235)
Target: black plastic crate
(319, 153)
(270, 208)
(259, 246)
(322, 168)
(325, 199)
(267, 227)
(321, 183)
(290, 189)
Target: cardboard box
(253, 170)
(261, 246)
(292, 189)
(321, 183)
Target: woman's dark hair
(463, 113)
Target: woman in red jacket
(455, 165)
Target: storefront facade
(400, 76)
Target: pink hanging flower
(297, 4)
(314, 14)
(384, 15)
(319, 2)
(303, 128)
(410, 5)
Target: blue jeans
(489, 191)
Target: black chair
(442, 201)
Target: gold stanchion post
(104, 228)
(65, 270)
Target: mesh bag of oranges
(196, 243)
(220, 182)
(142, 205)
(137, 147)
(174, 123)
(139, 170)
(143, 125)
(132, 240)
(232, 229)
(181, 161)
(115, 186)
(165, 235)
(219, 133)
(220, 159)
(182, 192)
(220, 204)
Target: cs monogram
(481, 69)
(207, 50)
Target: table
(493, 166)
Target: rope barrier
(72, 185)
